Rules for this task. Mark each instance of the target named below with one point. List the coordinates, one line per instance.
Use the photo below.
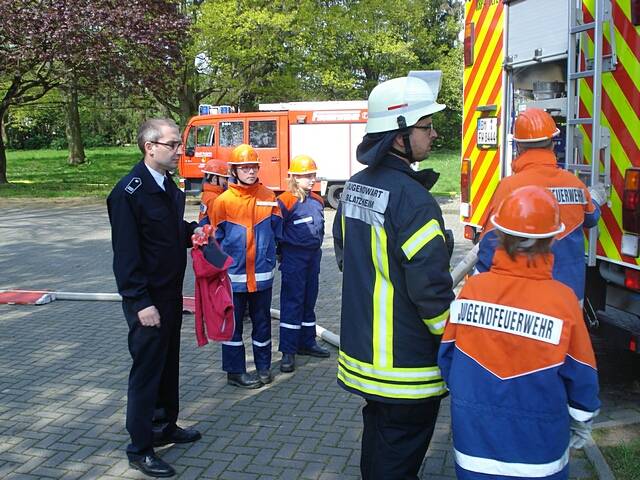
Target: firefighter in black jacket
(390, 244)
(150, 240)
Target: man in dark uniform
(150, 240)
(391, 244)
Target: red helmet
(244, 154)
(216, 167)
(529, 212)
(302, 164)
(534, 125)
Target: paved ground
(63, 372)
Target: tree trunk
(3, 153)
(188, 107)
(74, 135)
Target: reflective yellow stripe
(436, 324)
(343, 231)
(396, 374)
(419, 239)
(391, 390)
(382, 300)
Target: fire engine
(328, 131)
(580, 61)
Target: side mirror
(190, 151)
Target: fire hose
(457, 274)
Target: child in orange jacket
(516, 354)
(216, 178)
(248, 224)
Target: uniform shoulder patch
(133, 185)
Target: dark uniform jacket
(396, 291)
(149, 238)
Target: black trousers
(153, 380)
(395, 438)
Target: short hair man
(150, 240)
(389, 240)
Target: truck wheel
(333, 194)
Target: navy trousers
(300, 270)
(395, 438)
(153, 380)
(233, 353)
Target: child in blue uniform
(300, 248)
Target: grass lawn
(447, 164)
(621, 448)
(45, 173)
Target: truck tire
(333, 194)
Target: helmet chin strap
(404, 130)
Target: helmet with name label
(244, 154)
(529, 212)
(534, 125)
(302, 165)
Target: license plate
(487, 132)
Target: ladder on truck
(594, 68)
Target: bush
(59, 143)
(97, 140)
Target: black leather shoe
(179, 435)
(288, 363)
(153, 466)
(265, 376)
(314, 351)
(243, 380)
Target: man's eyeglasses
(425, 127)
(171, 145)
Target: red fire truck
(580, 61)
(327, 131)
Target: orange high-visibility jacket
(248, 223)
(518, 361)
(539, 167)
(209, 195)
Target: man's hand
(149, 317)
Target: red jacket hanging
(214, 296)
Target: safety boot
(243, 380)
(265, 376)
(288, 363)
(314, 351)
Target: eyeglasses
(171, 145)
(425, 127)
(249, 168)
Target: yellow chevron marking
(482, 172)
(483, 204)
(607, 243)
(484, 57)
(484, 99)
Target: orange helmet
(244, 154)
(216, 167)
(529, 212)
(534, 125)
(302, 164)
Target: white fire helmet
(411, 97)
